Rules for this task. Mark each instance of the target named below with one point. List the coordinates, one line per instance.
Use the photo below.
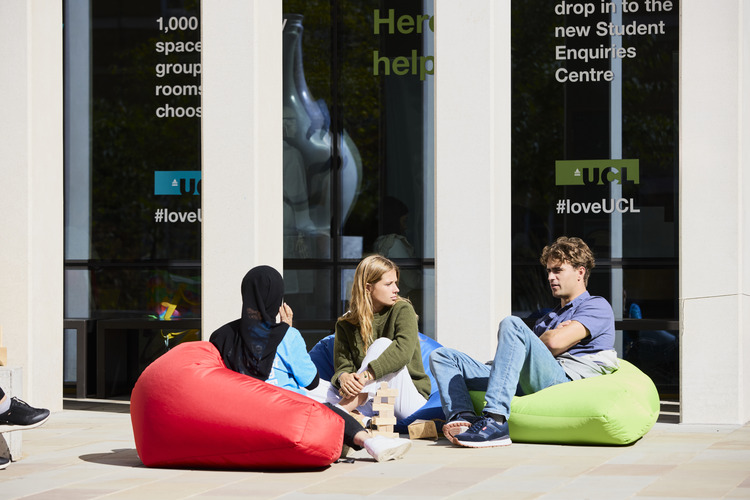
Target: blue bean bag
(322, 356)
(614, 409)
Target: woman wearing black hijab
(258, 346)
(248, 345)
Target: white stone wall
(472, 173)
(242, 184)
(713, 214)
(31, 195)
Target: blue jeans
(522, 363)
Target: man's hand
(566, 335)
(285, 313)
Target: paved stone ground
(87, 451)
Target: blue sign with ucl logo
(177, 182)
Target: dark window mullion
(336, 128)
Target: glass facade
(358, 147)
(595, 140)
(132, 173)
(358, 152)
(594, 155)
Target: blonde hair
(369, 271)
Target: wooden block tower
(383, 403)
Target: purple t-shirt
(591, 311)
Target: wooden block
(358, 417)
(386, 401)
(423, 429)
(386, 393)
(382, 407)
(386, 434)
(379, 421)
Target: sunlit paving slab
(89, 452)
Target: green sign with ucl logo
(599, 172)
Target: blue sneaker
(484, 433)
(457, 425)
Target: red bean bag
(189, 410)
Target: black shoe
(4, 462)
(22, 416)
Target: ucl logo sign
(177, 182)
(596, 172)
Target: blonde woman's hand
(350, 385)
(285, 313)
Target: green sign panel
(599, 172)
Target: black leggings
(351, 426)
(2, 393)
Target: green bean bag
(613, 409)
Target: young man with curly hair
(573, 341)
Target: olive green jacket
(398, 323)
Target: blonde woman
(377, 341)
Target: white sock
(5, 405)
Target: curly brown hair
(574, 251)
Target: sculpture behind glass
(308, 159)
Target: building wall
(744, 141)
(472, 162)
(31, 195)
(242, 121)
(713, 227)
(242, 141)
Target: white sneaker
(383, 449)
